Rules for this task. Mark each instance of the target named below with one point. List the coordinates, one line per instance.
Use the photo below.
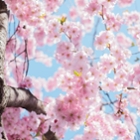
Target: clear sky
(39, 70)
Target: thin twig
(13, 33)
(27, 58)
(17, 56)
(135, 53)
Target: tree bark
(10, 96)
(3, 37)
(20, 97)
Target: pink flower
(81, 3)
(27, 83)
(44, 127)
(120, 129)
(73, 13)
(103, 40)
(51, 84)
(78, 137)
(87, 22)
(113, 22)
(43, 58)
(64, 112)
(93, 8)
(136, 75)
(107, 63)
(39, 35)
(108, 85)
(52, 6)
(31, 48)
(58, 128)
(74, 32)
(80, 63)
(34, 122)
(24, 31)
(64, 51)
(125, 41)
(125, 3)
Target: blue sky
(39, 70)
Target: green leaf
(137, 59)
(37, 134)
(44, 138)
(133, 44)
(76, 73)
(62, 20)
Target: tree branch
(10, 96)
(20, 97)
(50, 136)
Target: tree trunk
(10, 96)
(3, 37)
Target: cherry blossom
(97, 86)
(124, 3)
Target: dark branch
(50, 136)
(27, 58)
(19, 97)
(10, 96)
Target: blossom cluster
(86, 75)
